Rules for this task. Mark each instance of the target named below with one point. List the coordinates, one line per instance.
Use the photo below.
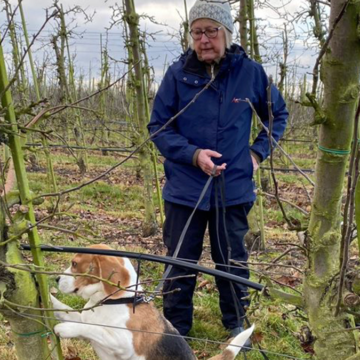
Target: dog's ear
(113, 269)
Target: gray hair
(228, 37)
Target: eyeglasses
(210, 33)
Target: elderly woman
(215, 130)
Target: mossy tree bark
(26, 333)
(340, 74)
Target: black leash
(239, 308)
(186, 227)
(240, 311)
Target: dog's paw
(66, 330)
(57, 304)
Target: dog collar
(135, 300)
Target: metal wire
(285, 356)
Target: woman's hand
(205, 163)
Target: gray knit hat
(218, 10)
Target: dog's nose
(57, 279)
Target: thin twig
(300, 247)
(63, 230)
(270, 277)
(276, 143)
(287, 202)
(270, 264)
(271, 146)
(27, 268)
(75, 147)
(349, 209)
(278, 258)
(28, 228)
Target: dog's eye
(74, 264)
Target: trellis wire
(285, 356)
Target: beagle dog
(115, 329)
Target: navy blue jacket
(219, 120)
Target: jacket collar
(193, 65)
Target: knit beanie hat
(218, 10)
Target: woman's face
(209, 50)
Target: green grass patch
(113, 197)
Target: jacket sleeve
(261, 144)
(171, 144)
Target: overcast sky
(163, 48)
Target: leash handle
(213, 171)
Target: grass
(119, 197)
(112, 207)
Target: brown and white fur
(118, 338)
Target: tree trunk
(185, 33)
(254, 42)
(147, 88)
(243, 19)
(20, 78)
(25, 196)
(81, 158)
(149, 225)
(340, 74)
(318, 30)
(49, 168)
(283, 64)
(104, 81)
(21, 289)
(255, 237)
